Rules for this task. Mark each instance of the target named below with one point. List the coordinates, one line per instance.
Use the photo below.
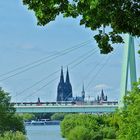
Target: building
(64, 89)
(81, 98)
(102, 97)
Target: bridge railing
(64, 103)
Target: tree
(89, 126)
(124, 124)
(58, 116)
(121, 15)
(13, 136)
(43, 115)
(79, 133)
(109, 132)
(28, 116)
(8, 119)
(83, 126)
(129, 124)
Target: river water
(44, 132)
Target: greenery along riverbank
(11, 124)
(124, 124)
(88, 127)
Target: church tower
(83, 93)
(60, 88)
(68, 87)
(64, 89)
(102, 95)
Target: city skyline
(23, 42)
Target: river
(44, 132)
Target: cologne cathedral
(64, 89)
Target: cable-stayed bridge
(128, 66)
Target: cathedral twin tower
(64, 89)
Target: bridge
(128, 66)
(66, 108)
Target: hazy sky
(22, 42)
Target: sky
(22, 42)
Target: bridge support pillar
(128, 68)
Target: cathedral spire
(83, 88)
(64, 89)
(61, 76)
(102, 95)
(83, 92)
(67, 76)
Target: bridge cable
(51, 81)
(97, 73)
(90, 71)
(36, 61)
(37, 65)
(55, 72)
(101, 68)
(41, 88)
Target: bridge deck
(67, 108)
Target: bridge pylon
(128, 68)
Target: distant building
(102, 97)
(81, 98)
(38, 100)
(64, 89)
(83, 93)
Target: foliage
(8, 119)
(58, 116)
(88, 126)
(109, 132)
(72, 120)
(121, 15)
(9, 135)
(124, 124)
(28, 116)
(98, 135)
(43, 115)
(129, 124)
(79, 133)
